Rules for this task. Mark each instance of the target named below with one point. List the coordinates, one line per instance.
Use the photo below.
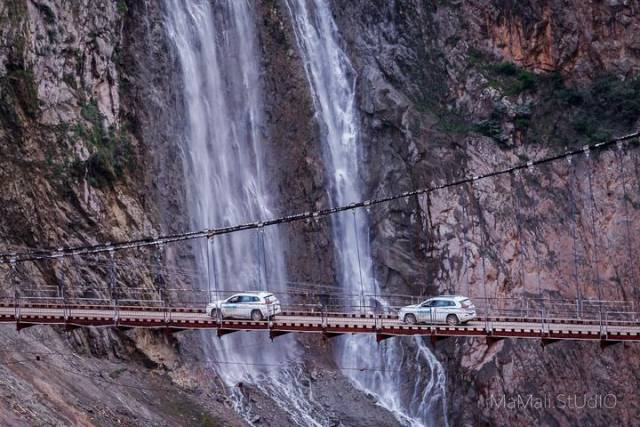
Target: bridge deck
(330, 324)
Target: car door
(443, 310)
(423, 313)
(253, 303)
(229, 307)
(244, 307)
(435, 311)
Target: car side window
(234, 300)
(255, 299)
(246, 298)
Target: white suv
(250, 305)
(449, 309)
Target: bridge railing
(306, 300)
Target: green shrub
(111, 150)
(506, 76)
(452, 122)
(617, 98)
(504, 68)
(490, 128)
(21, 84)
(512, 79)
(595, 111)
(122, 7)
(91, 112)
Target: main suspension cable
(38, 254)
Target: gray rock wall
(452, 89)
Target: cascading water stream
(416, 396)
(222, 163)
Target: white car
(249, 305)
(449, 309)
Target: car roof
(255, 293)
(450, 297)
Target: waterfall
(415, 395)
(223, 162)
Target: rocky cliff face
(74, 173)
(88, 111)
(450, 89)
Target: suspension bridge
(607, 327)
(307, 307)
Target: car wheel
(410, 319)
(256, 315)
(452, 320)
(214, 313)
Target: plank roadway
(330, 325)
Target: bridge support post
(263, 269)
(355, 229)
(483, 248)
(14, 285)
(158, 278)
(61, 290)
(213, 275)
(324, 315)
(166, 314)
(208, 242)
(112, 280)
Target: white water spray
(222, 163)
(416, 400)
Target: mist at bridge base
(330, 397)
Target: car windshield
(465, 303)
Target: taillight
(269, 302)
